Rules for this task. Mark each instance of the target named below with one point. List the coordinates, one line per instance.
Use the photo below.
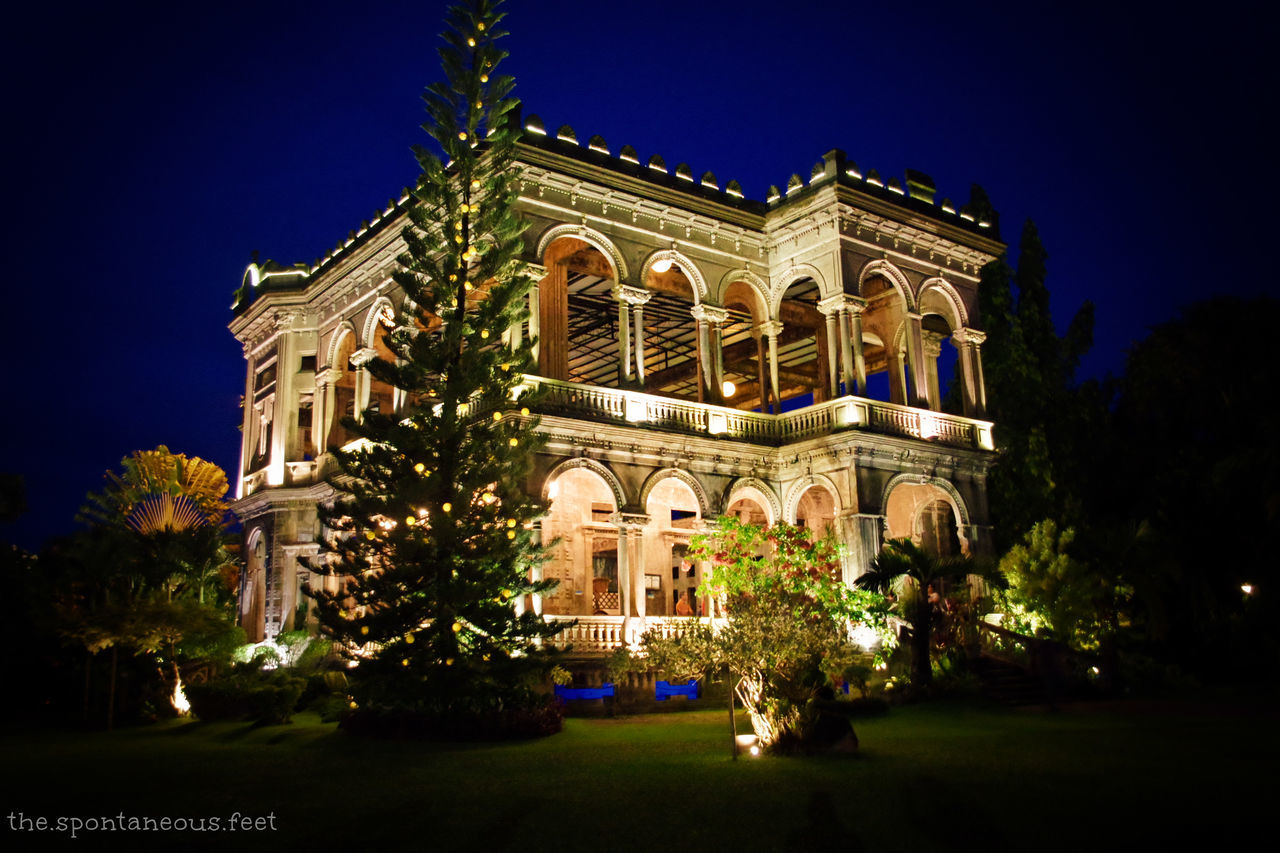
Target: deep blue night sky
(152, 147)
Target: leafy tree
(433, 533)
(1196, 467)
(1052, 591)
(789, 628)
(907, 570)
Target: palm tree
(906, 569)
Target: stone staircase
(1008, 683)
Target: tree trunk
(921, 631)
(88, 675)
(111, 693)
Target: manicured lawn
(946, 775)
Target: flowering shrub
(790, 623)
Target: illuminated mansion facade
(704, 354)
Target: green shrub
(262, 697)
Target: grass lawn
(946, 775)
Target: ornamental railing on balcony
(603, 634)
(635, 408)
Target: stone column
(968, 342)
(710, 319)
(535, 573)
(631, 301)
(247, 438)
(630, 592)
(773, 328)
(831, 308)
(867, 539)
(624, 341)
(855, 308)
(762, 370)
(364, 382)
(535, 315)
(931, 345)
(915, 361)
(326, 382)
(553, 314)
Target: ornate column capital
(631, 295)
(629, 520)
(327, 376)
(966, 335)
(709, 313)
(772, 328)
(363, 356)
(931, 341)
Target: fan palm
(907, 570)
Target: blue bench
(570, 694)
(664, 691)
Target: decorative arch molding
(687, 266)
(960, 318)
(799, 487)
(335, 343)
(598, 468)
(892, 274)
(794, 273)
(704, 505)
(747, 277)
(371, 320)
(950, 491)
(749, 484)
(592, 237)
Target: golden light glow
(475, 185)
(484, 333)
(446, 506)
(179, 699)
(364, 630)
(1246, 588)
(484, 78)
(408, 638)
(410, 520)
(497, 416)
(457, 627)
(524, 413)
(513, 442)
(661, 266)
(470, 43)
(511, 534)
(419, 467)
(728, 388)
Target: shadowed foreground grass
(930, 777)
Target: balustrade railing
(602, 634)
(633, 407)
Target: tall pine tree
(433, 533)
(1038, 411)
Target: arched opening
(584, 546)
(674, 366)
(748, 509)
(578, 315)
(344, 392)
(816, 511)
(883, 347)
(382, 396)
(925, 514)
(938, 321)
(669, 576)
(803, 370)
